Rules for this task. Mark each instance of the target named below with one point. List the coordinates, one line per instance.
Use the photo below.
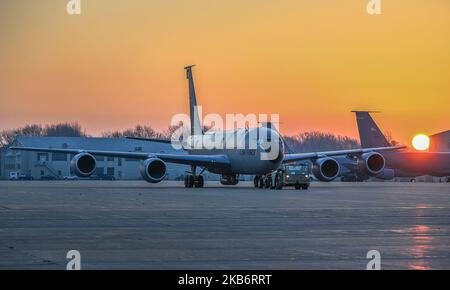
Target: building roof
(93, 143)
(440, 134)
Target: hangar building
(56, 165)
(440, 142)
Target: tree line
(52, 130)
(302, 142)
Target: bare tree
(137, 131)
(54, 130)
(64, 130)
(318, 141)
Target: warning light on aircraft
(421, 142)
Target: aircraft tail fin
(196, 128)
(369, 133)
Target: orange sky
(120, 63)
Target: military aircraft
(229, 162)
(399, 163)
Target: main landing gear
(265, 181)
(193, 180)
(277, 181)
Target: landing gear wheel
(256, 181)
(297, 186)
(272, 184)
(278, 184)
(305, 186)
(189, 181)
(199, 182)
(261, 183)
(268, 182)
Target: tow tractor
(296, 175)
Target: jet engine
(325, 169)
(153, 170)
(371, 163)
(83, 164)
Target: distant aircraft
(399, 163)
(229, 162)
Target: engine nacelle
(386, 174)
(371, 163)
(83, 164)
(153, 170)
(326, 169)
(229, 180)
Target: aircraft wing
(314, 155)
(150, 139)
(187, 159)
(172, 142)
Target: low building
(2, 158)
(440, 142)
(39, 165)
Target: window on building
(10, 166)
(42, 157)
(110, 159)
(99, 158)
(119, 161)
(119, 173)
(132, 159)
(42, 172)
(59, 172)
(100, 171)
(110, 171)
(59, 156)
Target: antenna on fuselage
(196, 127)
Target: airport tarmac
(136, 225)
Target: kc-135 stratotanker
(229, 162)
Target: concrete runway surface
(136, 225)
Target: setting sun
(421, 142)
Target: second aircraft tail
(369, 133)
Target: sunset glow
(120, 63)
(421, 142)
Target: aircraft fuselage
(243, 147)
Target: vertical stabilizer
(369, 133)
(196, 127)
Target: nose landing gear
(229, 179)
(193, 180)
